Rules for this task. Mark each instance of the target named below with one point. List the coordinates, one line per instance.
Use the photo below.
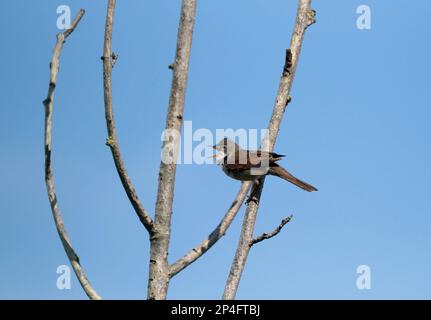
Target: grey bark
(304, 18)
(108, 60)
(215, 235)
(160, 229)
(159, 274)
(49, 176)
(269, 235)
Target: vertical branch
(159, 268)
(304, 18)
(243, 249)
(49, 176)
(108, 61)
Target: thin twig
(49, 176)
(304, 18)
(74, 23)
(112, 140)
(215, 235)
(159, 276)
(266, 235)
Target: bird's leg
(252, 196)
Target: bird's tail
(284, 174)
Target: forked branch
(215, 235)
(304, 18)
(159, 275)
(269, 235)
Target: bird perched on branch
(246, 165)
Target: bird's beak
(217, 155)
(214, 156)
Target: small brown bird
(246, 165)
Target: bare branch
(304, 18)
(49, 176)
(108, 60)
(244, 244)
(74, 23)
(265, 235)
(159, 268)
(215, 235)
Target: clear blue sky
(357, 128)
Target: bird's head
(225, 147)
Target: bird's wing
(237, 167)
(246, 160)
(241, 161)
